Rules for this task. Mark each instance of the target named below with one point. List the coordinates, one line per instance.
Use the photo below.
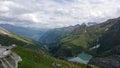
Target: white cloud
(59, 13)
(31, 16)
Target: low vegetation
(32, 59)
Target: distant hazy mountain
(7, 38)
(27, 32)
(54, 35)
(91, 23)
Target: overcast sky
(57, 13)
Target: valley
(79, 46)
(89, 40)
(59, 33)
(29, 54)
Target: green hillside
(31, 59)
(8, 38)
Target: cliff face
(109, 50)
(106, 62)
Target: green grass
(79, 41)
(32, 59)
(10, 39)
(13, 35)
(94, 66)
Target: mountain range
(99, 41)
(27, 32)
(109, 50)
(54, 35)
(33, 54)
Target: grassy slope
(84, 39)
(54, 35)
(7, 38)
(33, 59)
(79, 42)
(6, 41)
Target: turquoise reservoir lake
(83, 58)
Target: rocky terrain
(109, 50)
(8, 59)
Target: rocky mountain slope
(81, 39)
(109, 50)
(54, 35)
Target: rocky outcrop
(108, 54)
(106, 62)
(8, 59)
